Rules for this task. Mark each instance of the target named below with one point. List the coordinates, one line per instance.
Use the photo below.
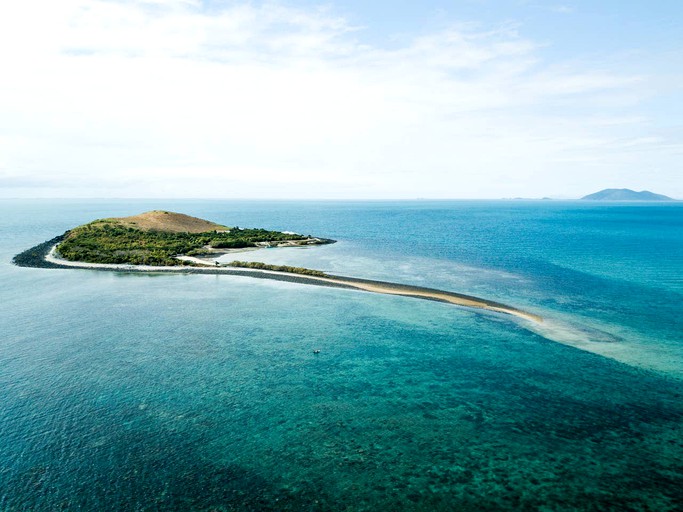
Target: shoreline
(44, 256)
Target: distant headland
(161, 241)
(625, 194)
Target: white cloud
(153, 98)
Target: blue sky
(431, 99)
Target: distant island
(164, 238)
(625, 194)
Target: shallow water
(203, 392)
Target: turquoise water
(189, 392)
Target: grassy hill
(157, 237)
(159, 220)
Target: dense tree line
(279, 268)
(108, 242)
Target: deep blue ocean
(202, 392)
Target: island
(625, 194)
(164, 238)
(161, 241)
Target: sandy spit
(331, 280)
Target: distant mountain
(624, 194)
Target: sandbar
(51, 257)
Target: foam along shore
(329, 280)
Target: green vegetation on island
(278, 268)
(157, 238)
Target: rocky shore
(36, 256)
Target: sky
(346, 99)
